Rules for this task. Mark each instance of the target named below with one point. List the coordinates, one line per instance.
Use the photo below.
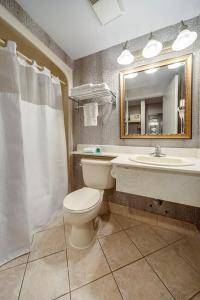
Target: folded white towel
(88, 91)
(90, 111)
(90, 150)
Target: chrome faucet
(158, 152)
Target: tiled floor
(130, 260)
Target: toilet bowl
(82, 206)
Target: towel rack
(77, 101)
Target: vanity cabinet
(178, 187)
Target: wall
(103, 67)
(15, 9)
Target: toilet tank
(97, 173)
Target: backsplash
(14, 8)
(103, 67)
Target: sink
(161, 161)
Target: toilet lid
(82, 199)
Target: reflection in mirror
(156, 100)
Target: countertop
(122, 159)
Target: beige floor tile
(108, 225)
(119, 250)
(137, 281)
(57, 221)
(168, 236)
(126, 222)
(10, 282)
(175, 225)
(47, 242)
(102, 289)
(86, 265)
(189, 249)
(180, 278)
(65, 297)
(15, 262)
(46, 278)
(119, 209)
(145, 239)
(146, 217)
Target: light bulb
(184, 39)
(131, 75)
(125, 58)
(152, 48)
(151, 71)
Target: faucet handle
(157, 147)
(158, 152)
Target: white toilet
(82, 206)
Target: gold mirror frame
(188, 114)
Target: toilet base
(82, 236)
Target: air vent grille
(93, 1)
(107, 11)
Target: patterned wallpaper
(103, 67)
(26, 20)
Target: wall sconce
(126, 56)
(152, 48)
(184, 39)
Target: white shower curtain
(33, 165)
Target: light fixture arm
(125, 46)
(151, 36)
(183, 26)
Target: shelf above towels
(95, 92)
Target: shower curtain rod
(3, 42)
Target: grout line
(104, 236)
(151, 267)
(111, 270)
(23, 263)
(88, 283)
(23, 276)
(48, 229)
(66, 252)
(30, 261)
(198, 293)
(168, 245)
(163, 247)
(59, 297)
(159, 278)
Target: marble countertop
(122, 159)
(101, 154)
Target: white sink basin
(161, 161)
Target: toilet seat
(82, 200)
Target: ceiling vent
(107, 10)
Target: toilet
(82, 206)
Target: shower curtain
(33, 166)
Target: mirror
(156, 100)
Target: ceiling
(76, 29)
